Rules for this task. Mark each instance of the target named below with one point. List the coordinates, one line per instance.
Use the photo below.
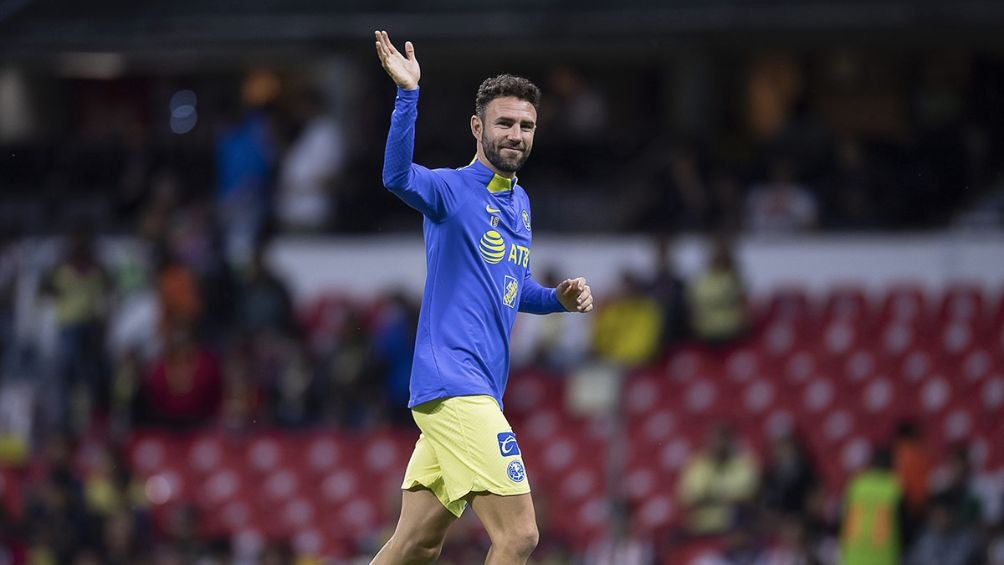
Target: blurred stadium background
(791, 213)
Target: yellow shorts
(466, 446)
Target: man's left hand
(575, 295)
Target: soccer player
(477, 231)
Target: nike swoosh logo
(491, 210)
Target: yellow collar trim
(497, 184)
(500, 184)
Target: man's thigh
(423, 517)
(502, 514)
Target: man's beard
(493, 152)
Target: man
(477, 237)
(874, 506)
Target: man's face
(506, 132)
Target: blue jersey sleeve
(537, 299)
(422, 189)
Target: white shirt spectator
(307, 177)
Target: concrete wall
(363, 266)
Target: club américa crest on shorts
(516, 471)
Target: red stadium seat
(266, 453)
(956, 338)
(322, 453)
(838, 338)
(758, 397)
(686, 364)
(963, 302)
(778, 338)
(640, 482)
(904, 303)
(222, 486)
(800, 367)
(848, 303)
(147, 452)
(976, 366)
(279, 486)
(358, 516)
(644, 393)
(530, 390)
(859, 367)
(339, 486)
(789, 303)
(744, 364)
(654, 514)
(584, 522)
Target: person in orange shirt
(912, 466)
(178, 292)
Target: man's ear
(476, 126)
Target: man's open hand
(403, 69)
(575, 295)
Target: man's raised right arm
(417, 186)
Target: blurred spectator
(182, 531)
(912, 465)
(55, 516)
(717, 299)
(954, 488)
(788, 478)
(292, 383)
(81, 290)
(619, 546)
(394, 348)
(628, 325)
(245, 164)
(265, 305)
(351, 389)
(9, 269)
(278, 554)
(682, 201)
(242, 394)
(873, 510)
(717, 485)
(995, 549)
(127, 379)
(848, 203)
(155, 219)
(780, 205)
(945, 540)
(728, 201)
(575, 109)
(670, 293)
(310, 169)
(794, 545)
(121, 539)
(184, 386)
(178, 293)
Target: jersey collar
(493, 182)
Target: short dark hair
(502, 86)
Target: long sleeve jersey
(477, 252)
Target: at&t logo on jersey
(492, 247)
(516, 471)
(507, 444)
(509, 291)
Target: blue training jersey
(477, 253)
